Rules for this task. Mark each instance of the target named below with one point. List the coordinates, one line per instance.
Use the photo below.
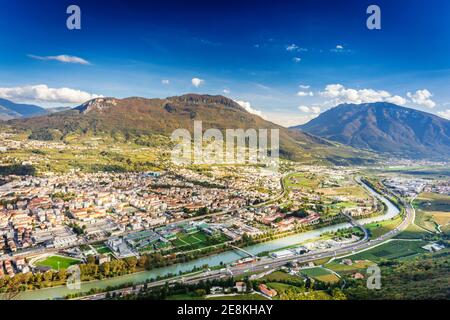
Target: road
(266, 263)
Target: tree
(338, 294)
(90, 259)
(202, 211)
(246, 238)
(10, 288)
(300, 213)
(62, 275)
(48, 276)
(200, 292)
(105, 268)
(142, 261)
(249, 285)
(131, 263)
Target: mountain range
(345, 134)
(10, 110)
(136, 119)
(384, 128)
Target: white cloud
(226, 91)
(61, 58)
(340, 48)
(305, 109)
(340, 94)
(289, 119)
(422, 98)
(397, 100)
(165, 81)
(302, 86)
(297, 59)
(305, 94)
(248, 107)
(43, 94)
(445, 114)
(196, 82)
(292, 47)
(261, 86)
(315, 110)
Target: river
(213, 260)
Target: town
(119, 215)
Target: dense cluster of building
(408, 187)
(59, 211)
(440, 186)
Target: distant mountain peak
(98, 104)
(384, 127)
(11, 110)
(102, 104)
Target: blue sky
(287, 61)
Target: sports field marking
(198, 240)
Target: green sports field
(189, 240)
(102, 249)
(196, 240)
(56, 262)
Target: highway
(267, 263)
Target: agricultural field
(289, 292)
(343, 269)
(281, 276)
(446, 229)
(351, 191)
(282, 287)
(320, 274)
(320, 262)
(412, 232)
(432, 211)
(57, 262)
(346, 204)
(395, 249)
(302, 180)
(433, 202)
(377, 229)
